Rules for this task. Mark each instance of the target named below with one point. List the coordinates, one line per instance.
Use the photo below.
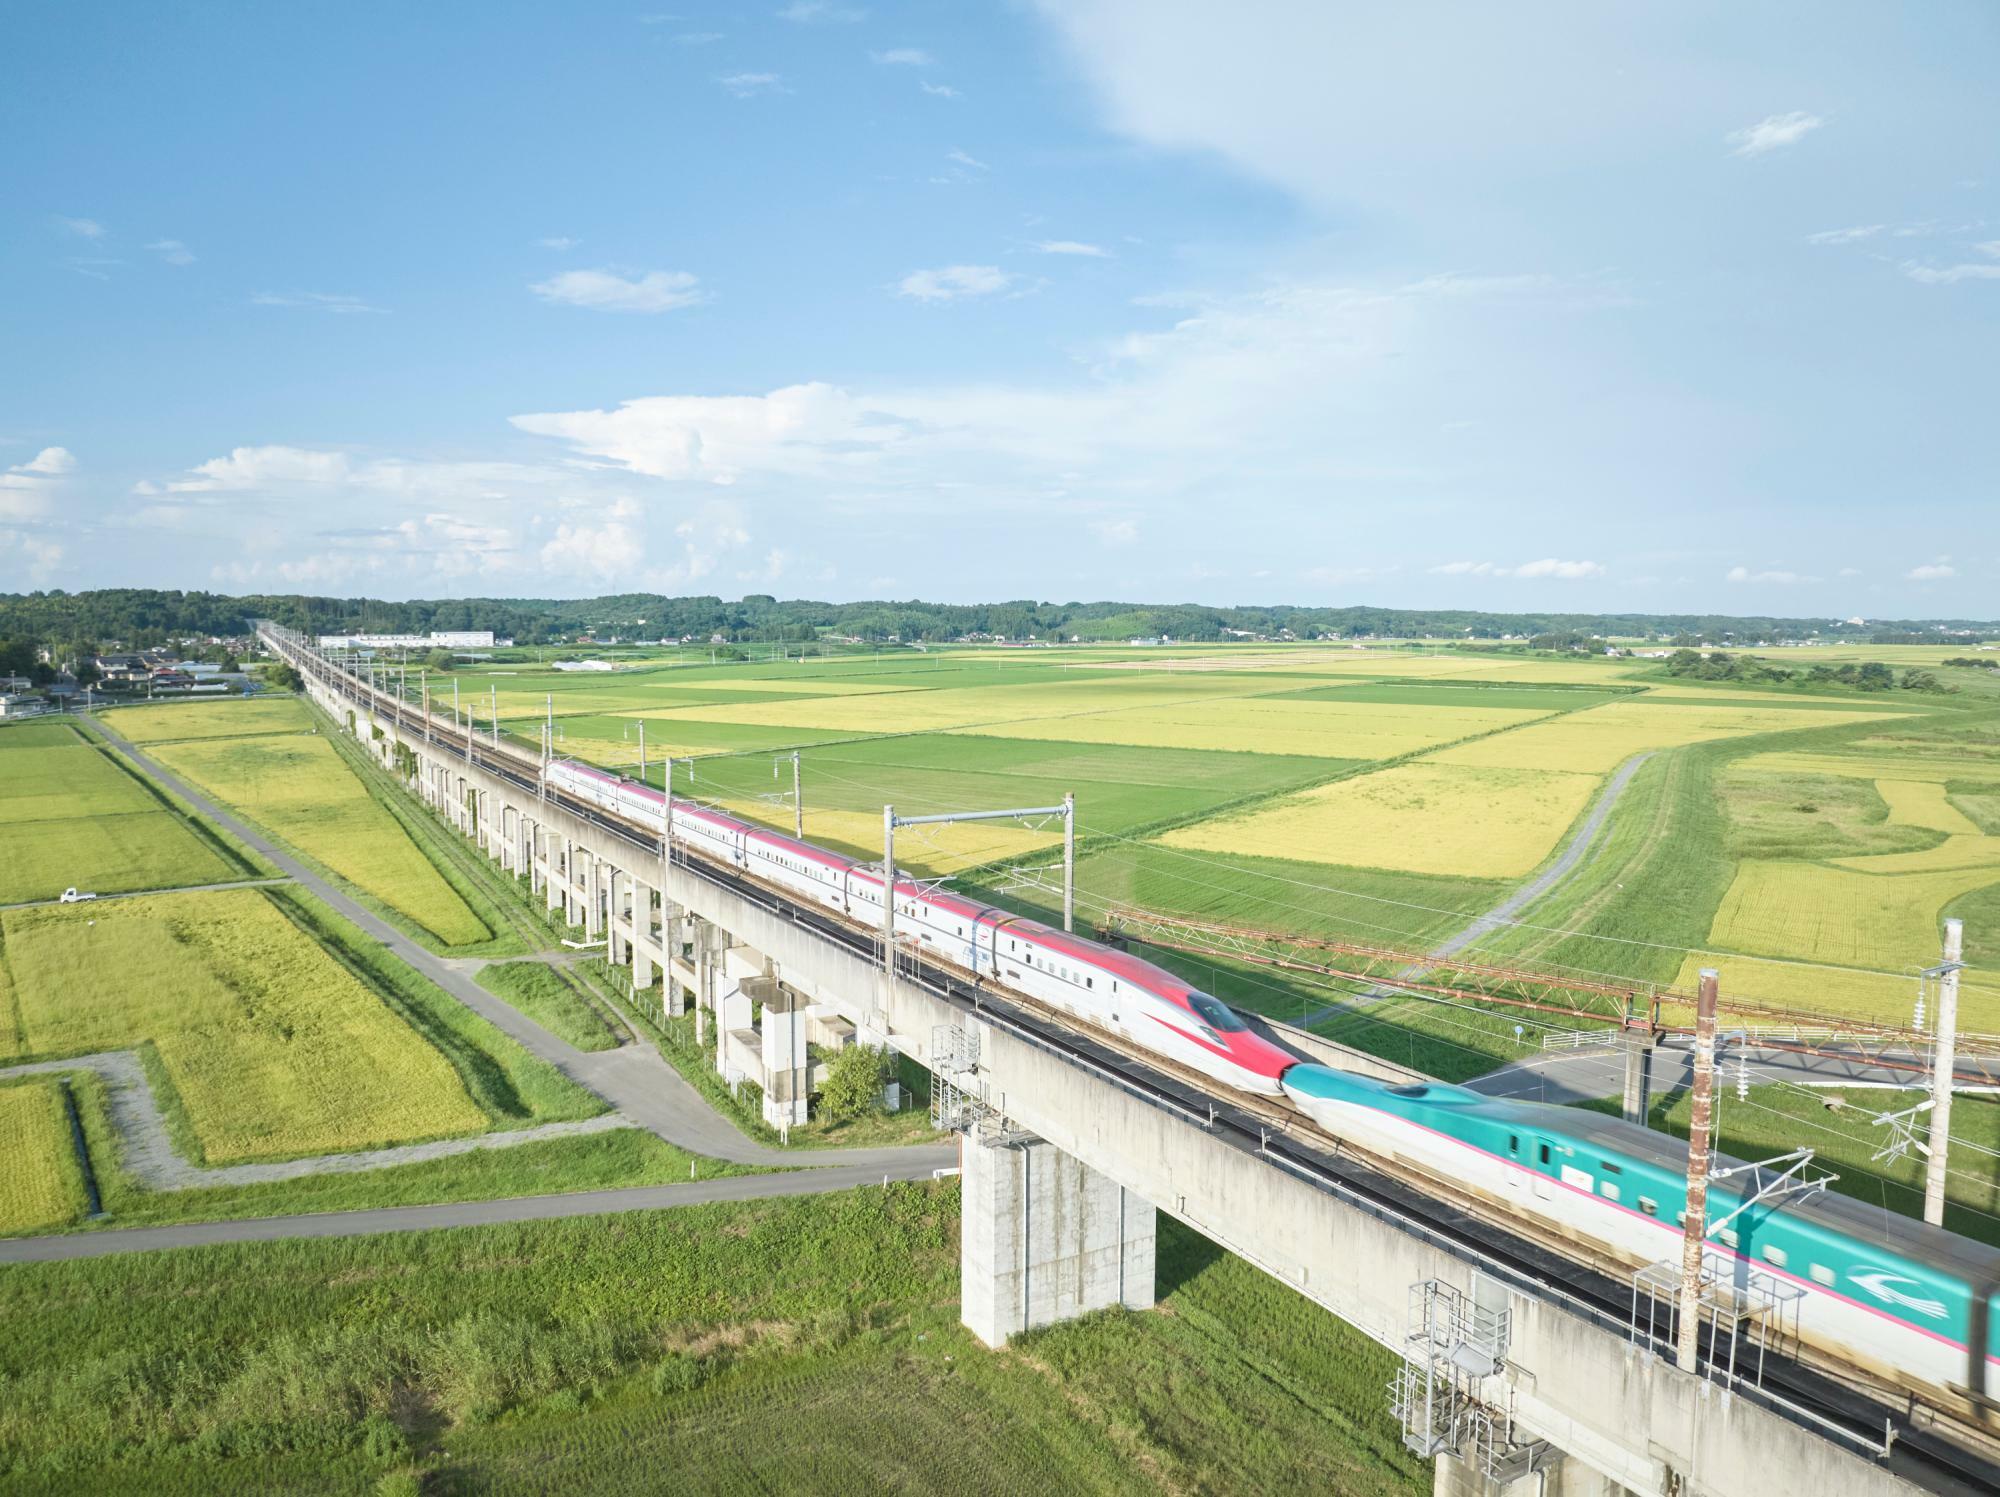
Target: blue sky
(1676, 307)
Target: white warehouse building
(438, 639)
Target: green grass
(43, 784)
(38, 734)
(41, 1183)
(108, 855)
(547, 996)
(1811, 816)
(780, 1344)
(232, 717)
(597, 1161)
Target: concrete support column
(787, 1066)
(1638, 1045)
(644, 938)
(1561, 1477)
(1046, 1238)
(593, 899)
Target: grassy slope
(678, 1351)
(546, 995)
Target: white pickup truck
(75, 896)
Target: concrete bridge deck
(1072, 1146)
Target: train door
(1544, 1187)
(1516, 1176)
(1982, 1344)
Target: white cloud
(83, 228)
(316, 301)
(937, 90)
(821, 12)
(1115, 532)
(603, 551)
(1931, 572)
(1846, 236)
(50, 461)
(172, 251)
(1774, 132)
(697, 38)
(1848, 572)
(965, 159)
(42, 556)
(1775, 576)
(558, 242)
(1072, 247)
(1948, 275)
(751, 85)
(608, 291)
(1548, 566)
(951, 282)
(906, 57)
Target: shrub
(853, 1084)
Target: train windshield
(1216, 1015)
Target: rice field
(75, 817)
(229, 717)
(1333, 729)
(296, 785)
(1840, 915)
(40, 1183)
(1923, 803)
(1598, 740)
(1887, 996)
(1421, 817)
(271, 1046)
(1933, 767)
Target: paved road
(1573, 851)
(241, 883)
(908, 1166)
(1574, 1075)
(632, 1078)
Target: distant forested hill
(139, 616)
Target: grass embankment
(780, 1344)
(548, 996)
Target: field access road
(1580, 842)
(632, 1078)
(1577, 1075)
(908, 1166)
(239, 883)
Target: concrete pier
(1045, 1237)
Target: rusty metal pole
(1694, 1229)
(888, 902)
(1944, 1059)
(798, 801)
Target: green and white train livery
(1874, 1288)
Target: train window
(1821, 1274)
(1545, 1153)
(1775, 1256)
(1609, 1189)
(1609, 1168)
(1513, 1143)
(1090, 982)
(1648, 1205)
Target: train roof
(1877, 1224)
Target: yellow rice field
(1923, 803)
(273, 1047)
(934, 850)
(1934, 768)
(1851, 918)
(1422, 817)
(1275, 725)
(1885, 996)
(1973, 851)
(1601, 738)
(302, 790)
(39, 1183)
(228, 718)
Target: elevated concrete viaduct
(1522, 1372)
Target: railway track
(1943, 1449)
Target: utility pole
(495, 686)
(1944, 1059)
(798, 804)
(424, 682)
(1069, 860)
(888, 901)
(1694, 1221)
(642, 751)
(550, 720)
